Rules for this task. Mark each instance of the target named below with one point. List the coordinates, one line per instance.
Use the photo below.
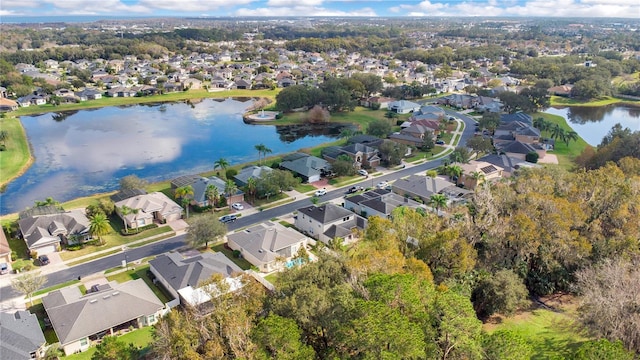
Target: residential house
(121, 91)
(432, 109)
(32, 99)
(148, 208)
(382, 101)
(3, 92)
(192, 84)
(509, 164)
(329, 221)
(21, 336)
(519, 116)
(243, 84)
(269, 246)
(414, 134)
(182, 277)
(66, 95)
(519, 150)
(362, 155)
(80, 320)
(44, 233)
(404, 106)
(250, 172)
(516, 130)
(8, 105)
(5, 250)
(308, 168)
(476, 172)
(561, 90)
(422, 188)
(378, 202)
(200, 191)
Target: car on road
(228, 218)
(354, 189)
(383, 185)
(363, 172)
(4, 268)
(44, 260)
(320, 192)
(440, 142)
(237, 206)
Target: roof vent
(116, 293)
(320, 209)
(93, 301)
(106, 297)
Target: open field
(552, 333)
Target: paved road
(174, 243)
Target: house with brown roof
(82, 320)
(268, 246)
(148, 208)
(7, 105)
(476, 172)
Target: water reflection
(86, 152)
(592, 123)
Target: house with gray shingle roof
(44, 233)
(378, 202)
(148, 208)
(251, 171)
(20, 336)
(404, 106)
(421, 187)
(80, 320)
(307, 167)
(329, 221)
(269, 246)
(182, 277)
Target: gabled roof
(38, 231)
(251, 171)
(264, 241)
(74, 316)
(423, 186)
(182, 272)
(306, 165)
(516, 147)
(4, 244)
(150, 203)
(20, 335)
(326, 213)
(520, 116)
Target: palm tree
(570, 135)
(541, 124)
(455, 171)
(230, 188)
(438, 201)
(124, 211)
(260, 148)
(558, 133)
(99, 225)
(212, 195)
(221, 163)
(266, 151)
(252, 187)
(185, 194)
(477, 176)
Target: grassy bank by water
(565, 153)
(607, 100)
(16, 159)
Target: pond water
(593, 123)
(87, 152)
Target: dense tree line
(617, 146)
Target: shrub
(278, 116)
(532, 157)
(74, 247)
(236, 254)
(34, 254)
(14, 256)
(375, 106)
(231, 173)
(137, 230)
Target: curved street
(176, 242)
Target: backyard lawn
(565, 153)
(141, 338)
(242, 263)
(140, 272)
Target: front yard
(242, 263)
(140, 272)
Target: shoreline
(30, 158)
(559, 102)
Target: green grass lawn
(303, 188)
(550, 333)
(272, 278)
(565, 153)
(56, 287)
(17, 156)
(607, 100)
(242, 263)
(141, 338)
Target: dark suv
(228, 218)
(43, 259)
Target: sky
(337, 8)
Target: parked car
(44, 260)
(440, 142)
(228, 218)
(4, 268)
(363, 172)
(237, 206)
(354, 189)
(320, 192)
(383, 185)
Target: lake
(87, 152)
(593, 123)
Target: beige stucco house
(148, 208)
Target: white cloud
(303, 11)
(192, 5)
(294, 3)
(95, 7)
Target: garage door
(46, 249)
